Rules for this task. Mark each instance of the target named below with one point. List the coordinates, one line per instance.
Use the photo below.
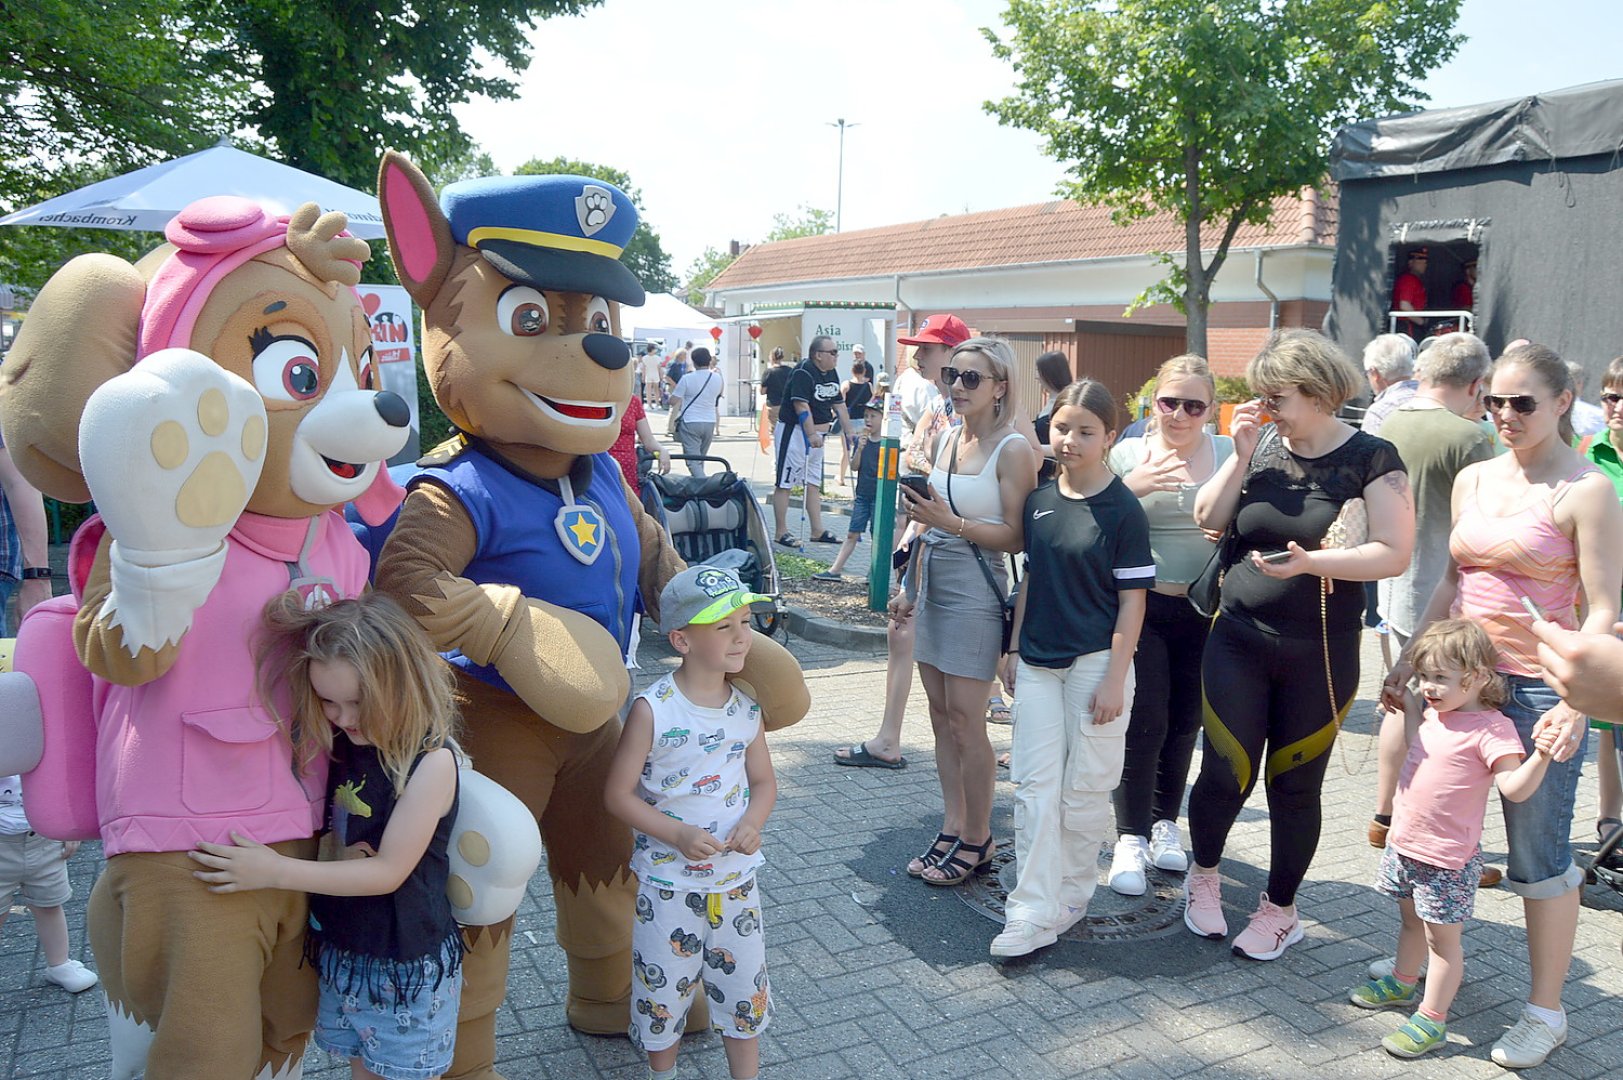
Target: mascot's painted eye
(522, 311)
(368, 372)
(287, 370)
(597, 316)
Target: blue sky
(720, 111)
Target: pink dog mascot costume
(217, 402)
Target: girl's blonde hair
(1307, 361)
(1462, 644)
(1000, 358)
(406, 701)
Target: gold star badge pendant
(580, 529)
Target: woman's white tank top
(974, 495)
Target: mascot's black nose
(393, 408)
(607, 351)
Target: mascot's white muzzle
(341, 443)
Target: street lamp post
(839, 184)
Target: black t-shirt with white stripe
(1080, 553)
(818, 388)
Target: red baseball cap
(948, 330)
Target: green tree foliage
(805, 221)
(644, 254)
(1208, 109)
(705, 269)
(118, 83)
(341, 80)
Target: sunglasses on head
(971, 378)
(1194, 408)
(1522, 403)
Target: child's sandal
(942, 846)
(955, 871)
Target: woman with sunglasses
(1535, 532)
(1166, 469)
(1281, 662)
(983, 470)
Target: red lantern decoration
(755, 333)
(715, 333)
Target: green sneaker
(1418, 1036)
(1382, 993)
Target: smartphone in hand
(917, 484)
(1275, 557)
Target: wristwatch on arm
(30, 572)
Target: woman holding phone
(1281, 662)
(982, 472)
(1535, 530)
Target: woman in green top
(1165, 468)
(1605, 449)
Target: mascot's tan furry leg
(165, 946)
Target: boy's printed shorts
(1440, 896)
(34, 870)
(681, 941)
(409, 1041)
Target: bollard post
(884, 509)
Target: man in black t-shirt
(811, 400)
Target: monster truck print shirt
(695, 773)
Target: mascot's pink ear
(420, 239)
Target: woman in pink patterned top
(634, 427)
(1534, 531)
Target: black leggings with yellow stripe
(1268, 691)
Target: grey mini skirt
(958, 621)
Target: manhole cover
(1111, 917)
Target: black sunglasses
(1522, 403)
(1611, 399)
(1194, 408)
(971, 378)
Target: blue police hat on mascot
(553, 232)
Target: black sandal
(942, 846)
(955, 871)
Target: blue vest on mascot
(520, 544)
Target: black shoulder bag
(1006, 601)
(1206, 591)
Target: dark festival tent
(1531, 188)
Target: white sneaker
(1127, 866)
(1166, 847)
(72, 976)
(1072, 916)
(1020, 937)
(1526, 1044)
(1380, 969)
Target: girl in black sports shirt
(1077, 620)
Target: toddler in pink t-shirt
(1460, 746)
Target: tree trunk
(1197, 286)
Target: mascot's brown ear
(80, 332)
(419, 236)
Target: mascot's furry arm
(771, 674)
(561, 663)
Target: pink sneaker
(1270, 932)
(1203, 905)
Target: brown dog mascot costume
(520, 549)
(216, 401)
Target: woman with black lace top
(1281, 663)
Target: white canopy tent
(145, 200)
(667, 319)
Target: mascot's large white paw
(22, 727)
(171, 450)
(495, 848)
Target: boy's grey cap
(702, 595)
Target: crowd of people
(1178, 582)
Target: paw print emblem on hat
(594, 206)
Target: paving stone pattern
(876, 975)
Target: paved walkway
(878, 976)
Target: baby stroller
(715, 520)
